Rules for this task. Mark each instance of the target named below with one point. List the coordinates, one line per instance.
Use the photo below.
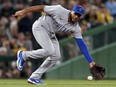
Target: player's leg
(43, 39)
(45, 42)
(49, 62)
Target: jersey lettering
(60, 27)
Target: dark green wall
(78, 68)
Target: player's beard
(70, 19)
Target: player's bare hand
(18, 14)
(92, 64)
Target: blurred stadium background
(98, 28)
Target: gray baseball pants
(50, 50)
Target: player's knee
(56, 56)
(50, 52)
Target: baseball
(89, 78)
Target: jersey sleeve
(52, 10)
(77, 32)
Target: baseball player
(56, 19)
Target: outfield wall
(78, 67)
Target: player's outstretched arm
(96, 70)
(34, 8)
(85, 51)
(22, 13)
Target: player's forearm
(34, 8)
(84, 49)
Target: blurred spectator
(19, 6)
(88, 41)
(91, 17)
(54, 2)
(21, 41)
(103, 15)
(63, 3)
(14, 46)
(84, 26)
(25, 25)
(4, 20)
(13, 28)
(98, 2)
(1, 72)
(69, 52)
(6, 44)
(27, 69)
(28, 42)
(2, 65)
(7, 10)
(86, 4)
(2, 27)
(3, 48)
(5, 28)
(11, 70)
(111, 5)
(74, 52)
(15, 72)
(3, 51)
(71, 3)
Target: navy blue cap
(79, 9)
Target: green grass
(58, 83)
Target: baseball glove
(98, 72)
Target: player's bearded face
(75, 17)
